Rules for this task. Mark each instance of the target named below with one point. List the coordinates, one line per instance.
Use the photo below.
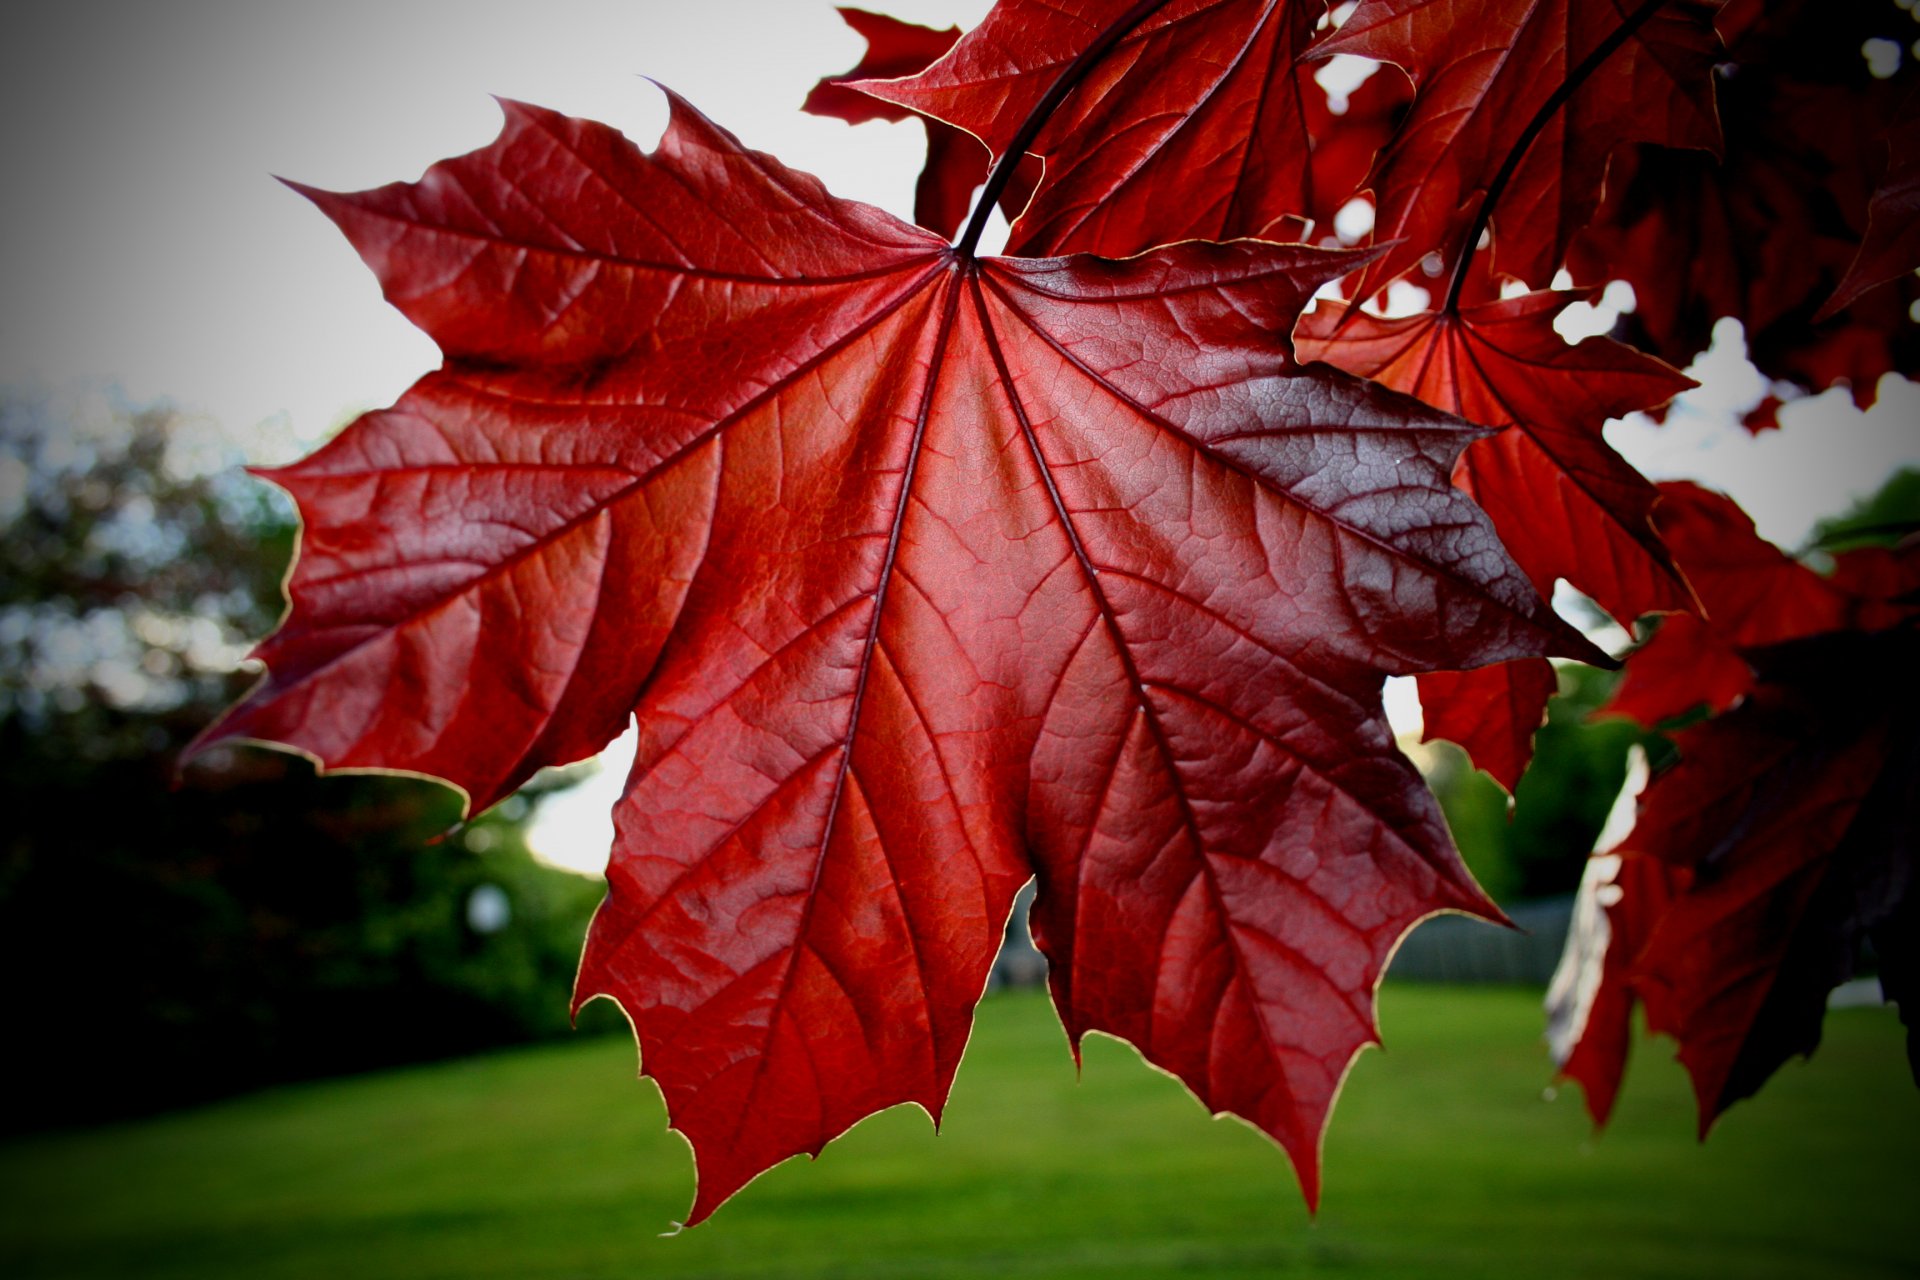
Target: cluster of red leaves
(1252, 144)
(923, 574)
(1817, 157)
(1782, 838)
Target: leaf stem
(1068, 80)
(1548, 109)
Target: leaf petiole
(1009, 160)
(1541, 118)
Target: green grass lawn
(1444, 1159)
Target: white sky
(144, 243)
(145, 238)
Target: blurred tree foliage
(1881, 519)
(175, 939)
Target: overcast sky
(145, 245)
(146, 241)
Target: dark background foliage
(176, 938)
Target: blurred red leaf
(1892, 244)
(1793, 815)
(1491, 712)
(1684, 666)
(1784, 836)
(1631, 894)
(1764, 416)
(1782, 840)
(1753, 593)
(1767, 235)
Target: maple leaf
(1527, 98)
(1783, 835)
(1793, 817)
(1753, 593)
(920, 574)
(1683, 665)
(1491, 713)
(1766, 235)
(1208, 98)
(1564, 501)
(956, 161)
(1591, 1001)
(1575, 507)
(1569, 505)
(1891, 246)
(1346, 142)
(1764, 416)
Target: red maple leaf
(1764, 416)
(1591, 1002)
(1526, 98)
(1683, 665)
(956, 161)
(1767, 234)
(1754, 596)
(1569, 506)
(1206, 98)
(921, 575)
(1891, 246)
(1753, 593)
(1346, 142)
(1785, 833)
(1791, 819)
(1565, 502)
(1491, 713)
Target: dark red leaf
(1483, 70)
(1892, 244)
(1754, 594)
(1200, 124)
(1764, 416)
(1629, 896)
(1345, 144)
(1767, 236)
(1566, 504)
(1686, 665)
(1882, 584)
(956, 161)
(1782, 840)
(1788, 822)
(920, 575)
(1491, 712)
(1795, 815)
